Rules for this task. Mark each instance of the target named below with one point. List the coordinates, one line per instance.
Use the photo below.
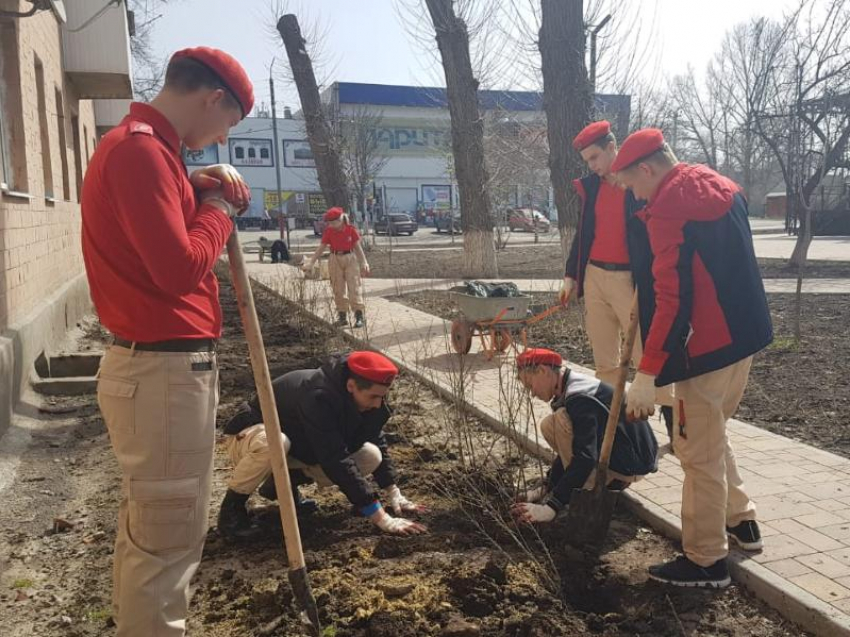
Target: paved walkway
(802, 493)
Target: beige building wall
(49, 136)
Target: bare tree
(467, 139)
(360, 149)
(567, 102)
(319, 132)
(148, 67)
(806, 117)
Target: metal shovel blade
(300, 582)
(589, 516)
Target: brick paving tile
(837, 531)
(780, 510)
(664, 495)
(842, 605)
(830, 505)
(821, 587)
(824, 565)
(815, 520)
(841, 555)
(780, 547)
(790, 567)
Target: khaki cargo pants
(608, 297)
(249, 452)
(713, 493)
(344, 272)
(160, 411)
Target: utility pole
(284, 226)
(593, 33)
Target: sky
(368, 41)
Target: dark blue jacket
(636, 239)
(708, 309)
(587, 401)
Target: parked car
(449, 223)
(396, 224)
(528, 220)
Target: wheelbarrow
(497, 321)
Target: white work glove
(567, 289)
(225, 178)
(396, 526)
(640, 400)
(533, 495)
(365, 270)
(399, 504)
(216, 198)
(308, 265)
(531, 513)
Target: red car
(528, 220)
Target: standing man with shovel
(709, 317)
(151, 235)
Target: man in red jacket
(151, 236)
(708, 318)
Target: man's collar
(161, 126)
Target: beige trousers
(608, 300)
(713, 493)
(557, 431)
(344, 272)
(159, 409)
(249, 453)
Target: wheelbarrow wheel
(502, 340)
(461, 336)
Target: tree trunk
(467, 140)
(567, 102)
(328, 163)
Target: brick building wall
(40, 211)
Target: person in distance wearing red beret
(609, 255)
(332, 421)
(347, 263)
(574, 430)
(150, 237)
(708, 318)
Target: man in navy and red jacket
(708, 317)
(610, 251)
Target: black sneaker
(683, 572)
(746, 535)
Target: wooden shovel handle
(619, 394)
(268, 407)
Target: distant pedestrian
(347, 264)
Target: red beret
(372, 366)
(538, 356)
(637, 146)
(228, 69)
(590, 134)
(333, 214)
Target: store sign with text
(251, 152)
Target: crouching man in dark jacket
(574, 431)
(332, 421)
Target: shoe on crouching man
(574, 430)
(332, 421)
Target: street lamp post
(593, 33)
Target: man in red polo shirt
(609, 256)
(151, 236)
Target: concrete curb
(789, 600)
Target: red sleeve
(326, 235)
(355, 236)
(669, 270)
(147, 195)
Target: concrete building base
(22, 342)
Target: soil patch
(474, 574)
(799, 390)
(543, 261)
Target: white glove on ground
(640, 401)
(397, 526)
(533, 513)
(567, 289)
(533, 495)
(398, 503)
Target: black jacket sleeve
(585, 417)
(324, 433)
(571, 269)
